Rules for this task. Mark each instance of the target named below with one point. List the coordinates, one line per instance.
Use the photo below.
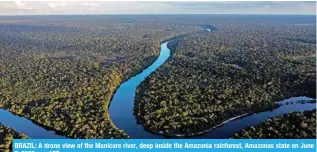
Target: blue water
(25, 126)
(121, 106)
(121, 112)
(231, 127)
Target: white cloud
(137, 7)
(307, 7)
(267, 6)
(87, 4)
(22, 5)
(55, 5)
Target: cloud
(267, 6)
(55, 5)
(87, 4)
(90, 6)
(307, 6)
(22, 5)
(134, 7)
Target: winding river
(121, 111)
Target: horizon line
(147, 14)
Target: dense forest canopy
(61, 71)
(290, 126)
(244, 66)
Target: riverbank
(215, 76)
(123, 99)
(31, 128)
(7, 134)
(241, 121)
(293, 125)
(68, 85)
(198, 133)
(48, 130)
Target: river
(122, 104)
(23, 125)
(121, 111)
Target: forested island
(6, 136)
(290, 126)
(244, 66)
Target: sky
(141, 7)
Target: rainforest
(163, 76)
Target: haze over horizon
(130, 7)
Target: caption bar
(156, 145)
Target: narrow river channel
(121, 111)
(26, 126)
(122, 104)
